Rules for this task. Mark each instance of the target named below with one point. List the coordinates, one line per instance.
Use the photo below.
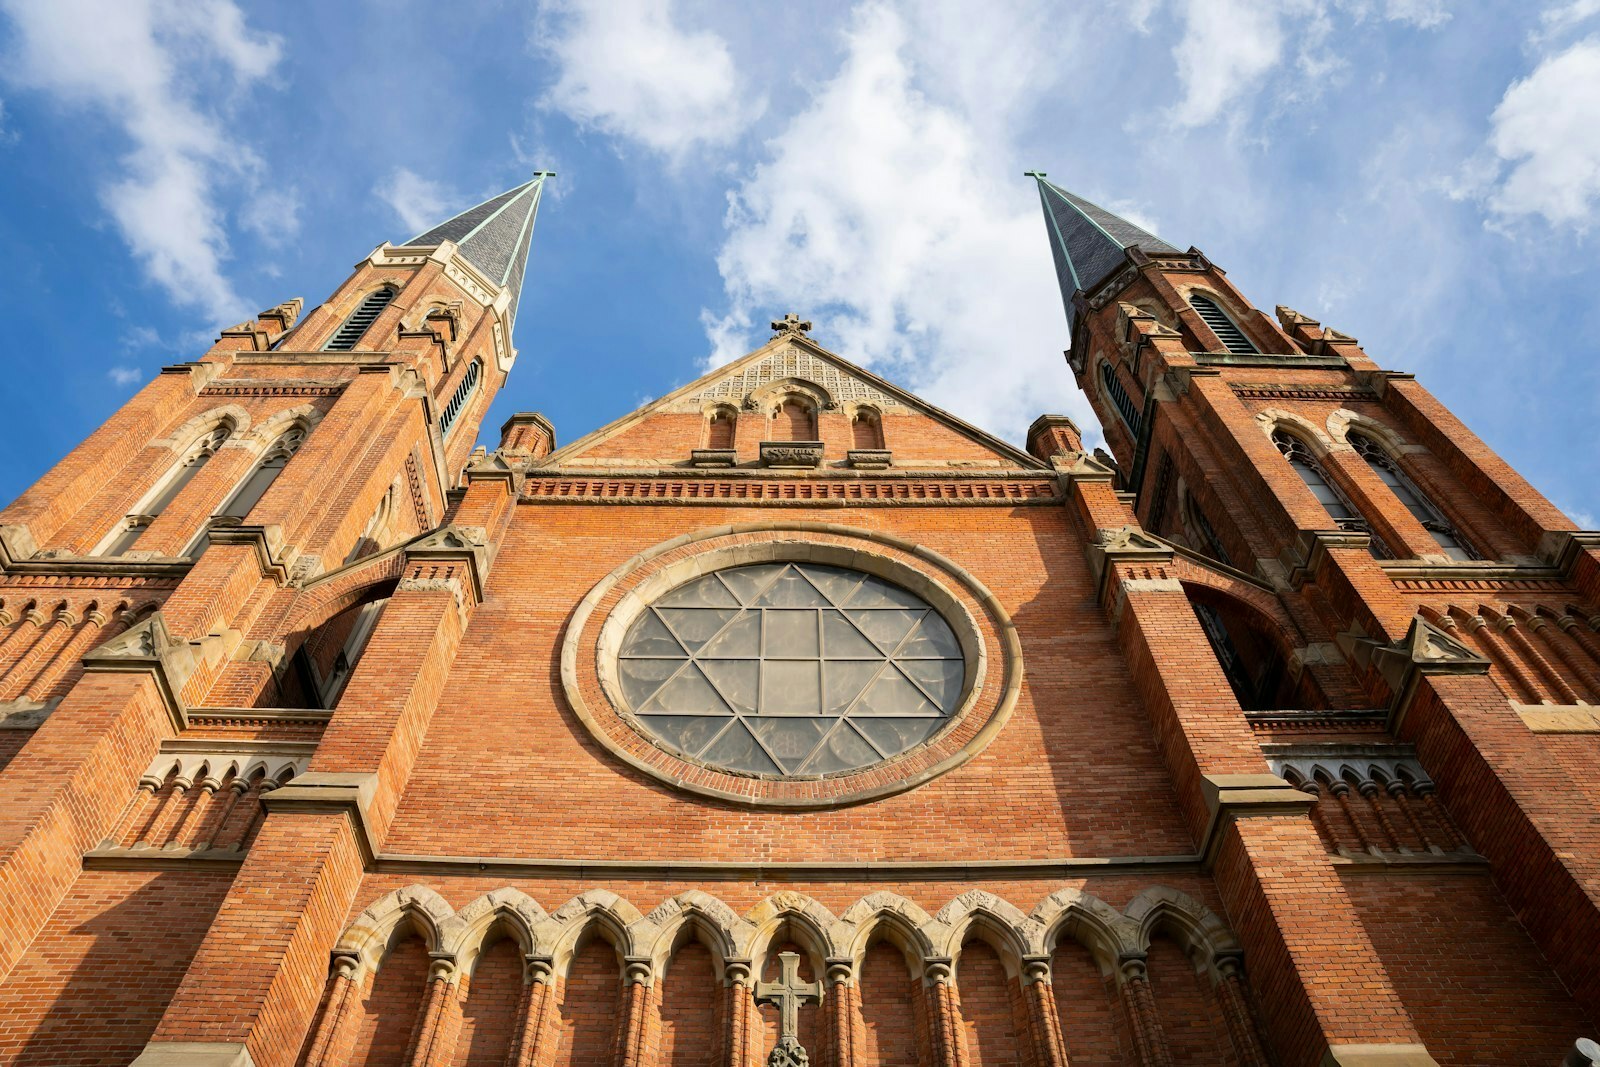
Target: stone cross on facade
(788, 993)
(790, 324)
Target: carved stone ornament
(1127, 538)
(789, 1053)
(712, 457)
(870, 459)
(791, 453)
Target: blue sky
(1421, 174)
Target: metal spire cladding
(494, 236)
(1088, 242)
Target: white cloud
(628, 69)
(883, 216)
(153, 68)
(124, 376)
(420, 202)
(273, 216)
(1544, 129)
(1225, 49)
(1563, 17)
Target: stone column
(54, 635)
(841, 988)
(1043, 1020)
(536, 1015)
(739, 1016)
(638, 1007)
(1236, 1013)
(949, 1047)
(436, 1034)
(345, 979)
(1140, 1004)
(88, 633)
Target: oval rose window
(790, 669)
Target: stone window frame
(983, 628)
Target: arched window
(1114, 391)
(866, 430)
(196, 457)
(794, 421)
(1338, 506)
(350, 331)
(256, 483)
(458, 399)
(720, 426)
(1202, 535)
(1232, 338)
(1406, 491)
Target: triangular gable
(789, 357)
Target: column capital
(1035, 969)
(841, 970)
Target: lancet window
(256, 484)
(195, 458)
(1405, 490)
(463, 393)
(1115, 392)
(866, 429)
(794, 421)
(1211, 313)
(720, 427)
(1337, 505)
(353, 328)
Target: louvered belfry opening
(1232, 338)
(346, 336)
(469, 382)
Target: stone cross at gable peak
(790, 325)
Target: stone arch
(1195, 926)
(805, 921)
(768, 397)
(1316, 437)
(1343, 420)
(886, 916)
(595, 912)
(1091, 922)
(993, 919)
(385, 920)
(234, 416)
(685, 916)
(463, 934)
(369, 578)
(1259, 647)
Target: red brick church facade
(791, 719)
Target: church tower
(1358, 555)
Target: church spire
(494, 236)
(1087, 241)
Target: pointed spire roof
(1087, 241)
(495, 235)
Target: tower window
(1114, 391)
(352, 329)
(256, 484)
(197, 456)
(794, 421)
(458, 399)
(1232, 338)
(720, 426)
(1337, 505)
(1405, 490)
(866, 430)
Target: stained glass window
(791, 669)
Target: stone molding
(149, 646)
(349, 792)
(739, 941)
(1238, 796)
(194, 1054)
